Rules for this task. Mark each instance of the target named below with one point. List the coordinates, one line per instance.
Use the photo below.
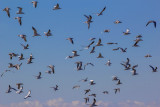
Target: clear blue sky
(68, 22)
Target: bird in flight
(34, 3)
(56, 7)
(19, 10)
(35, 32)
(28, 95)
(48, 33)
(101, 13)
(89, 20)
(7, 11)
(152, 21)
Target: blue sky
(69, 22)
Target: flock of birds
(79, 65)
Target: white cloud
(61, 103)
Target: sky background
(69, 22)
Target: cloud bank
(61, 103)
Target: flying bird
(153, 69)
(127, 32)
(89, 20)
(55, 88)
(35, 32)
(28, 95)
(71, 40)
(56, 7)
(23, 37)
(117, 22)
(34, 3)
(101, 13)
(19, 10)
(52, 68)
(152, 21)
(19, 20)
(48, 33)
(39, 76)
(7, 11)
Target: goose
(19, 20)
(35, 32)
(7, 11)
(56, 7)
(101, 13)
(28, 95)
(48, 33)
(89, 20)
(19, 10)
(34, 3)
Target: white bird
(127, 32)
(28, 95)
(108, 63)
(92, 82)
(20, 90)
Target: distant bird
(116, 49)
(28, 95)
(101, 13)
(11, 55)
(7, 11)
(55, 88)
(34, 3)
(19, 11)
(92, 39)
(39, 76)
(93, 48)
(4, 72)
(106, 31)
(88, 64)
(19, 85)
(105, 92)
(94, 95)
(25, 47)
(10, 88)
(123, 50)
(119, 82)
(48, 33)
(52, 68)
(139, 36)
(87, 91)
(21, 57)
(23, 37)
(152, 21)
(90, 45)
(75, 53)
(93, 104)
(49, 72)
(153, 69)
(111, 43)
(84, 80)
(76, 86)
(92, 82)
(10, 65)
(134, 72)
(19, 20)
(117, 90)
(79, 65)
(56, 7)
(127, 32)
(35, 32)
(71, 40)
(108, 63)
(148, 55)
(20, 90)
(99, 43)
(86, 100)
(89, 20)
(114, 78)
(100, 56)
(135, 66)
(17, 66)
(117, 22)
(136, 44)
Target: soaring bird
(55, 88)
(39, 76)
(111, 43)
(19, 10)
(88, 64)
(99, 43)
(100, 56)
(117, 22)
(152, 21)
(90, 45)
(35, 32)
(7, 11)
(10, 88)
(119, 82)
(105, 92)
(108, 63)
(23, 37)
(34, 3)
(123, 50)
(84, 80)
(28, 95)
(21, 57)
(25, 47)
(117, 90)
(71, 40)
(56, 7)
(93, 48)
(89, 20)
(19, 20)
(52, 68)
(76, 86)
(19, 85)
(87, 91)
(153, 69)
(134, 72)
(101, 13)
(127, 32)
(148, 55)
(4, 72)
(92, 82)
(48, 33)
(86, 100)
(17, 66)
(20, 90)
